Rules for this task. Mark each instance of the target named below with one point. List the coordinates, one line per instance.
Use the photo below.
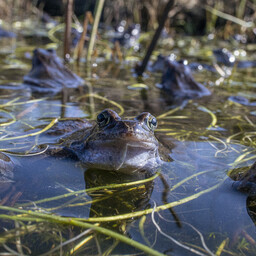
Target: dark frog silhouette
(227, 58)
(178, 82)
(49, 74)
(112, 144)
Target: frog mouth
(136, 156)
(121, 156)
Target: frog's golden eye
(151, 122)
(103, 119)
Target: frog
(48, 74)
(228, 59)
(161, 64)
(178, 82)
(113, 144)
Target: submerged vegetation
(185, 206)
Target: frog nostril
(129, 127)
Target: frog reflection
(6, 171)
(115, 201)
(49, 74)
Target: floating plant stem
(14, 103)
(11, 121)
(31, 134)
(214, 118)
(103, 98)
(232, 136)
(82, 243)
(222, 142)
(59, 27)
(11, 102)
(242, 159)
(91, 190)
(158, 208)
(98, 11)
(187, 179)
(169, 112)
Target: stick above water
(141, 68)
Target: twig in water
(164, 199)
(118, 51)
(202, 239)
(197, 231)
(171, 238)
(88, 18)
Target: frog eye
(151, 123)
(103, 119)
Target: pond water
(192, 207)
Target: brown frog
(49, 74)
(114, 144)
(178, 82)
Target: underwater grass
(74, 222)
(133, 214)
(35, 216)
(89, 223)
